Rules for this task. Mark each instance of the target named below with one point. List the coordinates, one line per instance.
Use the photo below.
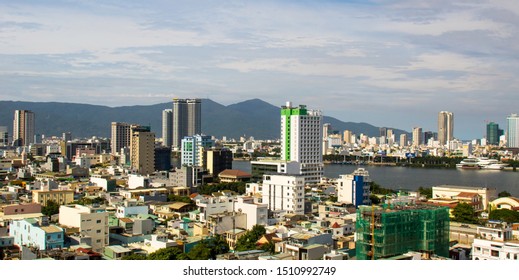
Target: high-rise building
(347, 137)
(121, 136)
(417, 136)
(167, 127)
(23, 128)
(354, 188)
(186, 118)
(428, 135)
(142, 150)
(383, 232)
(403, 140)
(327, 130)
(493, 133)
(445, 127)
(301, 140)
(383, 132)
(4, 136)
(512, 140)
(193, 149)
(218, 160)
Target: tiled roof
(234, 173)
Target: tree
(52, 208)
(250, 238)
(504, 194)
(374, 199)
(505, 215)
(178, 198)
(427, 192)
(464, 213)
(208, 249)
(170, 253)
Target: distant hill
(248, 118)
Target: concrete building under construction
(383, 232)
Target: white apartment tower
(512, 133)
(301, 140)
(23, 128)
(186, 120)
(445, 127)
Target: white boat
(468, 163)
(495, 166)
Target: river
(413, 178)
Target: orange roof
(336, 225)
(466, 194)
(193, 195)
(234, 173)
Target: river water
(413, 178)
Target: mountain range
(253, 117)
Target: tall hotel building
(301, 136)
(512, 140)
(445, 127)
(186, 120)
(23, 128)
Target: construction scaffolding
(384, 232)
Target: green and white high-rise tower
(301, 140)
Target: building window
(494, 253)
(98, 221)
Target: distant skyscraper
(4, 136)
(167, 127)
(23, 128)
(301, 140)
(121, 136)
(347, 136)
(187, 119)
(327, 130)
(403, 140)
(417, 136)
(67, 136)
(445, 127)
(142, 150)
(493, 133)
(383, 132)
(428, 135)
(512, 140)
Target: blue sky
(388, 63)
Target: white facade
(257, 214)
(92, 222)
(281, 193)
(494, 242)
(301, 140)
(354, 188)
(138, 181)
(130, 208)
(210, 205)
(512, 140)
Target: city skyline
(371, 62)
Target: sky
(387, 63)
